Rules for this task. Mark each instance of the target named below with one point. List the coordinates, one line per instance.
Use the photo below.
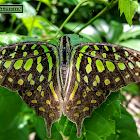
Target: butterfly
(65, 79)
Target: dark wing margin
(30, 68)
(97, 69)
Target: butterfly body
(64, 50)
(63, 79)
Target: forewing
(97, 69)
(30, 68)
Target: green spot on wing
(33, 47)
(78, 63)
(88, 68)
(16, 48)
(138, 63)
(39, 59)
(80, 55)
(50, 63)
(12, 54)
(72, 53)
(104, 55)
(110, 66)
(7, 64)
(24, 54)
(28, 64)
(116, 56)
(45, 48)
(50, 76)
(84, 48)
(121, 66)
(18, 64)
(96, 48)
(113, 49)
(93, 53)
(56, 52)
(126, 53)
(131, 65)
(36, 52)
(106, 48)
(89, 60)
(39, 68)
(100, 65)
(41, 78)
(30, 77)
(86, 79)
(48, 55)
(23, 47)
(78, 76)
(4, 51)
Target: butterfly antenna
(51, 25)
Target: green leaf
(40, 127)
(102, 26)
(89, 32)
(125, 127)
(128, 7)
(132, 88)
(16, 134)
(131, 43)
(138, 11)
(28, 11)
(100, 118)
(122, 98)
(10, 38)
(75, 39)
(8, 107)
(115, 30)
(134, 31)
(28, 22)
(10, 121)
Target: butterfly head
(64, 41)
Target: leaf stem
(16, 29)
(37, 9)
(68, 18)
(111, 5)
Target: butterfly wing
(30, 68)
(96, 69)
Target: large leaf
(10, 105)
(128, 7)
(115, 30)
(126, 130)
(11, 38)
(102, 26)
